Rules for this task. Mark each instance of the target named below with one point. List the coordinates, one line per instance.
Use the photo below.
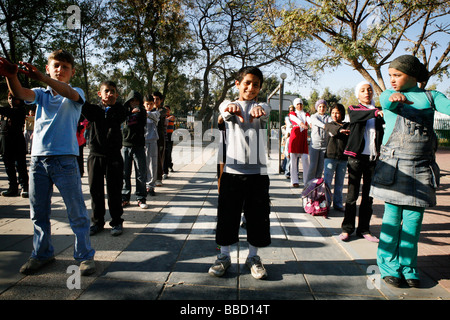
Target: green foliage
(363, 34)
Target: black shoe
(94, 229)
(24, 193)
(10, 193)
(393, 281)
(413, 283)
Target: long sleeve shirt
(420, 101)
(245, 141)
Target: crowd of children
(55, 133)
(391, 149)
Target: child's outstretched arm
(60, 87)
(10, 70)
(260, 111)
(227, 109)
(399, 97)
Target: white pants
(294, 166)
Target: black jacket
(105, 137)
(358, 117)
(336, 141)
(12, 121)
(133, 132)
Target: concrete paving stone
(149, 258)
(113, 289)
(284, 294)
(337, 277)
(199, 292)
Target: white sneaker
(256, 267)
(221, 265)
(142, 205)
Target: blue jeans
(337, 168)
(136, 155)
(62, 171)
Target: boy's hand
(236, 110)
(398, 97)
(8, 69)
(256, 113)
(31, 71)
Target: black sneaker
(94, 229)
(117, 230)
(10, 193)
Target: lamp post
(283, 77)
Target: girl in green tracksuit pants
(406, 176)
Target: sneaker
(256, 267)
(165, 176)
(117, 230)
(33, 265)
(142, 204)
(87, 267)
(158, 183)
(125, 203)
(221, 265)
(10, 193)
(24, 194)
(94, 229)
(151, 192)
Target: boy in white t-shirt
(244, 184)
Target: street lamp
(283, 77)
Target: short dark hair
(340, 108)
(108, 83)
(61, 55)
(158, 94)
(149, 97)
(249, 70)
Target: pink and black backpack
(314, 198)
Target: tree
(140, 34)
(23, 29)
(227, 39)
(79, 35)
(366, 34)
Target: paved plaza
(166, 250)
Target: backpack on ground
(314, 198)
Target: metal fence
(442, 128)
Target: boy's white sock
(252, 251)
(225, 250)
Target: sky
(345, 77)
